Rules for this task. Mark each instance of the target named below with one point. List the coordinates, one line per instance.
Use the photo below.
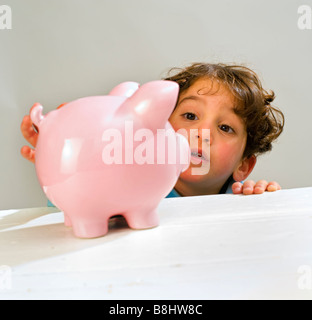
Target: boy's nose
(205, 136)
(205, 139)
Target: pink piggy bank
(103, 156)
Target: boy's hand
(250, 187)
(31, 135)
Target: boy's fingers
(237, 188)
(61, 105)
(26, 127)
(28, 131)
(28, 153)
(273, 186)
(25, 124)
(248, 187)
(260, 186)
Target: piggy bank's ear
(153, 102)
(125, 89)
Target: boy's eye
(226, 128)
(190, 116)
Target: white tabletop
(207, 247)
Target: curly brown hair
(264, 123)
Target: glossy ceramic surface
(101, 156)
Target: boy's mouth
(198, 156)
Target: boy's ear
(245, 168)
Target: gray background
(61, 50)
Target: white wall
(61, 50)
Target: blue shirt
(226, 189)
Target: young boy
(231, 103)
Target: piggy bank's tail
(36, 114)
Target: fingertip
(247, 190)
(61, 105)
(28, 153)
(272, 188)
(248, 187)
(237, 188)
(24, 150)
(259, 190)
(25, 121)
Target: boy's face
(208, 105)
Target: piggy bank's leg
(89, 228)
(86, 222)
(67, 220)
(142, 218)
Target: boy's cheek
(174, 122)
(224, 158)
